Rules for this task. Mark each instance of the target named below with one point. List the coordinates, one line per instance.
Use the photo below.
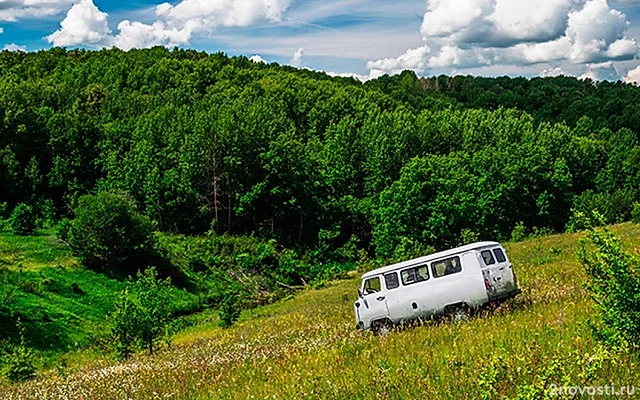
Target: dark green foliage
(229, 310)
(614, 207)
(19, 360)
(63, 229)
(108, 233)
(22, 220)
(614, 283)
(323, 166)
(635, 213)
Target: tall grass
(308, 347)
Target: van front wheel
(381, 327)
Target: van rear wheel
(460, 313)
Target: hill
(308, 347)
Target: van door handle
(380, 298)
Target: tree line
(209, 143)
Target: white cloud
(13, 10)
(207, 14)
(296, 60)
(14, 47)
(476, 33)
(257, 59)
(600, 72)
(138, 35)
(553, 72)
(84, 24)
(413, 59)
(1, 29)
(633, 76)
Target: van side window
(372, 285)
(446, 267)
(391, 280)
(488, 257)
(415, 275)
(499, 255)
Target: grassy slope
(62, 306)
(307, 347)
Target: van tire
(460, 312)
(381, 327)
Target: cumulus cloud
(12, 10)
(257, 59)
(413, 59)
(476, 33)
(175, 25)
(296, 60)
(633, 76)
(600, 72)
(1, 29)
(84, 24)
(14, 47)
(553, 72)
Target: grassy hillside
(307, 347)
(62, 306)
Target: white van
(450, 282)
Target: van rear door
(497, 271)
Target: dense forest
(208, 143)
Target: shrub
(468, 236)
(45, 213)
(229, 311)
(124, 328)
(615, 207)
(408, 249)
(614, 283)
(519, 232)
(63, 229)
(19, 361)
(22, 220)
(635, 213)
(108, 233)
(142, 313)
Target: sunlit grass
(308, 347)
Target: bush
(614, 283)
(19, 361)
(63, 229)
(468, 236)
(141, 314)
(519, 232)
(615, 207)
(408, 249)
(22, 220)
(45, 213)
(108, 233)
(229, 311)
(635, 213)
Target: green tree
(109, 234)
(22, 220)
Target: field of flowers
(308, 347)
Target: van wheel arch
(458, 311)
(381, 327)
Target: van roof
(430, 257)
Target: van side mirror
(360, 294)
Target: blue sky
(591, 38)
